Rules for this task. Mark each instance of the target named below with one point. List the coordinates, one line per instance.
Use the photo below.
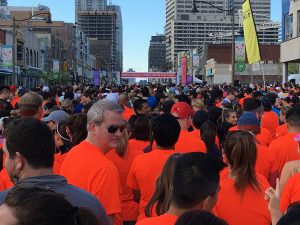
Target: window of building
(288, 26)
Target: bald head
(30, 105)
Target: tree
(293, 68)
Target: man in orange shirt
(187, 141)
(87, 167)
(146, 168)
(196, 184)
(282, 129)
(285, 148)
(269, 119)
(248, 94)
(254, 106)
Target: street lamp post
(231, 11)
(82, 57)
(48, 20)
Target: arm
(285, 175)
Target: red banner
(183, 70)
(147, 75)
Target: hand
(273, 196)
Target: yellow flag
(251, 41)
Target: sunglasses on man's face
(113, 128)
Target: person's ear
(19, 161)
(92, 128)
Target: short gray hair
(96, 112)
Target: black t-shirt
(6, 107)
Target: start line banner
(147, 75)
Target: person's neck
(92, 141)
(183, 125)
(173, 210)
(30, 172)
(294, 130)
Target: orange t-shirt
(282, 130)
(127, 113)
(264, 160)
(5, 182)
(86, 167)
(284, 149)
(248, 208)
(58, 161)
(219, 104)
(290, 193)
(143, 174)
(270, 121)
(243, 99)
(187, 142)
(165, 219)
(138, 145)
(264, 137)
(130, 209)
(15, 101)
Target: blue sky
(141, 20)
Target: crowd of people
(150, 155)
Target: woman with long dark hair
(241, 197)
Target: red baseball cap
(13, 88)
(182, 109)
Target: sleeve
(131, 179)
(106, 186)
(285, 199)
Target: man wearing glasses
(87, 167)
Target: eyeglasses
(113, 128)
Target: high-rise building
(90, 5)
(261, 8)
(186, 30)
(118, 51)
(103, 27)
(157, 54)
(3, 2)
